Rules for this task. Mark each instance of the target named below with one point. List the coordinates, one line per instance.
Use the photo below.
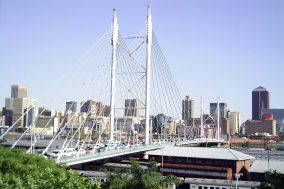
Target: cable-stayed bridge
(131, 73)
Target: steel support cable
(13, 125)
(163, 62)
(169, 95)
(133, 43)
(28, 127)
(77, 130)
(80, 107)
(134, 84)
(133, 57)
(61, 128)
(127, 92)
(156, 72)
(61, 89)
(101, 91)
(158, 82)
(82, 125)
(168, 76)
(36, 139)
(33, 124)
(157, 86)
(130, 56)
(171, 76)
(134, 81)
(128, 66)
(95, 76)
(162, 80)
(89, 134)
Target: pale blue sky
(215, 48)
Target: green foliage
(272, 180)
(20, 170)
(246, 144)
(140, 178)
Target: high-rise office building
(260, 100)
(72, 106)
(187, 108)
(19, 104)
(132, 107)
(18, 91)
(234, 122)
(106, 110)
(223, 110)
(92, 108)
(278, 115)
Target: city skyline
(215, 49)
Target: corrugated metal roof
(201, 152)
(260, 166)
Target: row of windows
(210, 187)
(199, 161)
(110, 169)
(194, 172)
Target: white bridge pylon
(114, 43)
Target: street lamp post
(238, 175)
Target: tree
(21, 170)
(140, 178)
(272, 180)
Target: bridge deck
(94, 156)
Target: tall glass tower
(260, 100)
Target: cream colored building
(47, 125)
(19, 106)
(234, 122)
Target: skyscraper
(132, 107)
(18, 91)
(187, 108)
(223, 110)
(72, 106)
(260, 100)
(92, 107)
(234, 122)
(20, 104)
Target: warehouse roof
(201, 152)
(260, 166)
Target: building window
(198, 160)
(199, 187)
(211, 187)
(179, 160)
(188, 160)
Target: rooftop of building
(277, 113)
(260, 166)
(260, 88)
(201, 152)
(218, 182)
